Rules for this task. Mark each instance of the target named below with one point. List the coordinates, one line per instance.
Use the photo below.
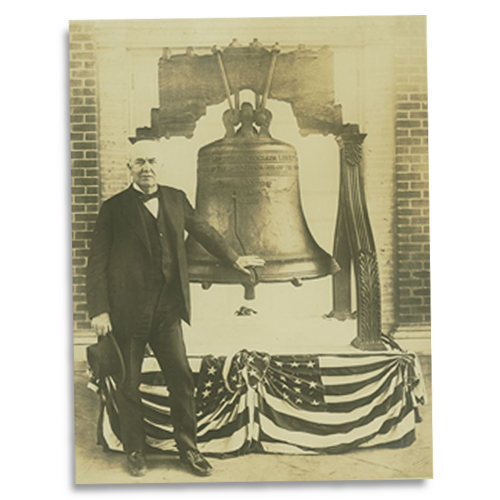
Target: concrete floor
(93, 466)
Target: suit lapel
(171, 212)
(133, 213)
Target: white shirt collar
(137, 188)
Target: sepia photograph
(251, 255)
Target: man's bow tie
(146, 197)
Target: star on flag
(298, 382)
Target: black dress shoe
(197, 463)
(136, 464)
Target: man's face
(145, 159)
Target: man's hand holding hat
(102, 324)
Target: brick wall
(114, 87)
(84, 158)
(378, 150)
(412, 178)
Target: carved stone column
(354, 243)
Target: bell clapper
(249, 291)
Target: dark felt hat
(105, 359)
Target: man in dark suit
(138, 288)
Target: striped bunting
(302, 404)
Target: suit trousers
(167, 343)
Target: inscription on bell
(255, 183)
(249, 158)
(241, 169)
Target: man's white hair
(144, 147)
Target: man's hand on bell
(101, 324)
(245, 261)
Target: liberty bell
(248, 189)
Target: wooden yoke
(354, 243)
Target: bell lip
(301, 266)
(204, 272)
(217, 281)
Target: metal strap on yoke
(270, 74)
(223, 73)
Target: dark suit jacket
(120, 266)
